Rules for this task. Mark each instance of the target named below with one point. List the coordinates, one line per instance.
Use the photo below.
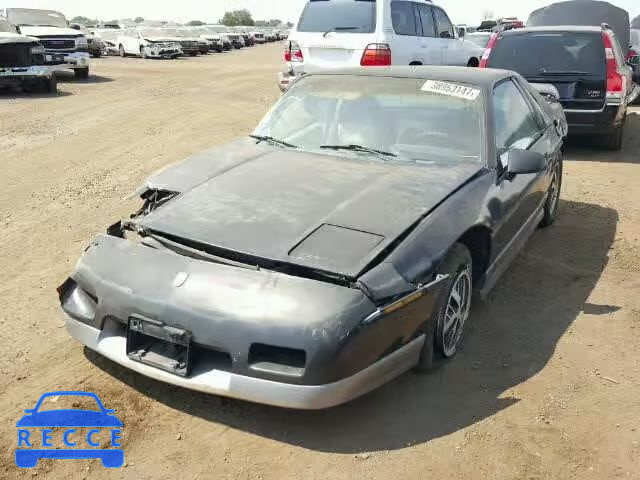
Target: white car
(213, 37)
(343, 33)
(147, 43)
(63, 45)
(109, 38)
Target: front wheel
(50, 85)
(444, 333)
(81, 73)
(143, 53)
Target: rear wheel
(444, 332)
(121, 51)
(613, 141)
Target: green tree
(139, 20)
(237, 17)
(83, 20)
(195, 23)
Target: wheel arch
(473, 62)
(478, 240)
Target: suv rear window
(346, 16)
(534, 54)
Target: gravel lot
(547, 384)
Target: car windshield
(351, 16)
(480, 39)
(6, 26)
(218, 28)
(25, 16)
(406, 119)
(550, 52)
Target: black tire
(193, 54)
(81, 73)
(143, 54)
(458, 265)
(97, 54)
(553, 198)
(121, 51)
(50, 85)
(613, 141)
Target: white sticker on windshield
(451, 89)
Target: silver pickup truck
(22, 61)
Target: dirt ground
(547, 385)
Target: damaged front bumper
(256, 335)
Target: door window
(404, 18)
(515, 123)
(443, 24)
(426, 16)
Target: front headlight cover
(37, 50)
(81, 42)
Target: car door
(519, 198)
(405, 48)
(130, 42)
(453, 49)
(430, 44)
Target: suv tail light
(615, 80)
(292, 52)
(376, 55)
(484, 61)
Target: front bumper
(110, 342)
(70, 60)
(273, 338)
(163, 52)
(18, 75)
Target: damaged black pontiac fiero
(332, 250)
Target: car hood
(69, 418)
(8, 37)
(49, 31)
(327, 212)
(161, 39)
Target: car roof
(554, 28)
(482, 77)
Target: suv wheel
(613, 141)
(81, 73)
(50, 85)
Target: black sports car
(335, 248)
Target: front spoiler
(112, 344)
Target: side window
(426, 16)
(443, 24)
(404, 18)
(515, 123)
(538, 102)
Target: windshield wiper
(267, 138)
(338, 29)
(359, 148)
(562, 72)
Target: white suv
(342, 33)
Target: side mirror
(461, 32)
(445, 35)
(525, 161)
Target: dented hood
(327, 212)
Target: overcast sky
(460, 11)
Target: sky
(460, 11)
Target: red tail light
(484, 61)
(376, 55)
(292, 52)
(615, 81)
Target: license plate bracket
(162, 346)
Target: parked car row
(591, 69)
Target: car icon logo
(35, 433)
